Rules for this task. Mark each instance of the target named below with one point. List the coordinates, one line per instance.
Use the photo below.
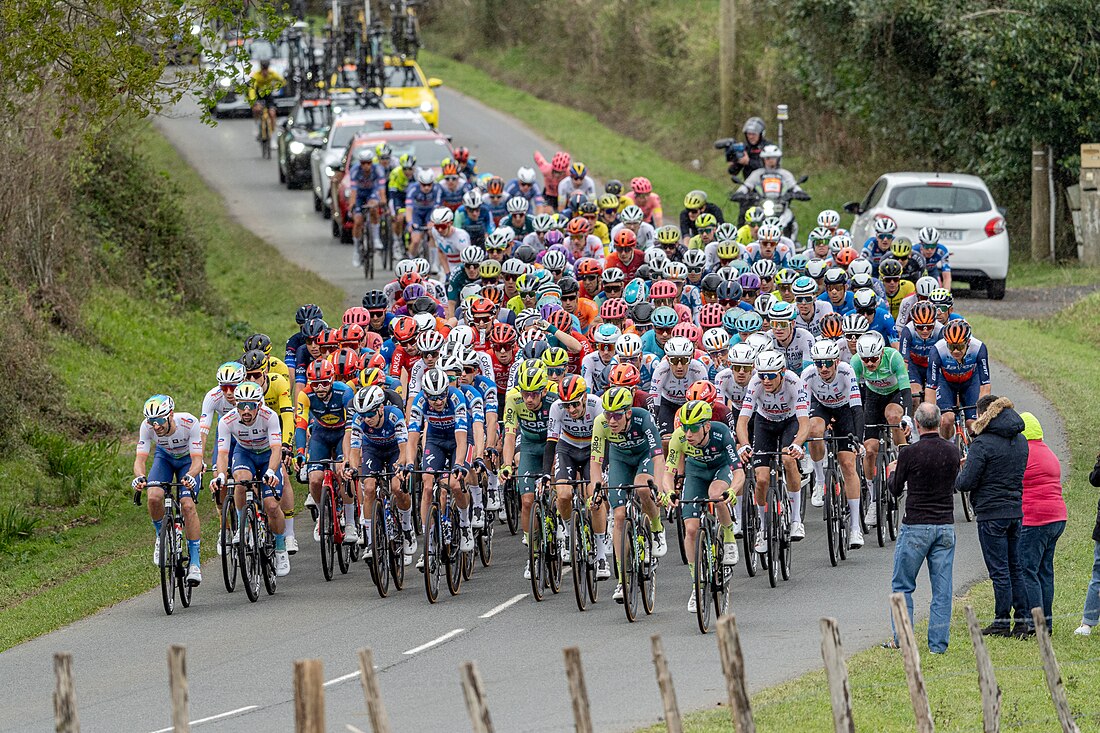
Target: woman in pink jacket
(1044, 519)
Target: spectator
(1091, 616)
(928, 468)
(1044, 520)
(994, 476)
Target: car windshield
(429, 153)
(312, 118)
(402, 76)
(342, 134)
(939, 199)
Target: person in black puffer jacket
(1091, 616)
(994, 476)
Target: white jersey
(265, 432)
(451, 247)
(593, 248)
(733, 392)
(669, 387)
(905, 310)
(214, 403)
(184, 440)
(577, 432)
(711, 251)
(842, 390)
(797, 350)
(647, 235)
(416, 376)
(567, 187)
(790, 400)
(596, 373)
(821, 309)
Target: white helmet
(825, 349)
(865, 298)
(554, 260)
(632, 215)
(472, 255)
(854, 323)
(499, 239)
(442, 215)
(763, 304)
(365, 155)
(422, 266)
(512, 266)
(613, 275)
(507, 233)
(860, 266)
(759, 341)
(468, 356)
(452, 362)
(245, 392)
(425, 176)
(425, 322)
(655, 258)
(606, 333)
(470, 290)
(679, 346)
(676, 270)
(741, 354)
(368, 399)
(429, 341)
(885, 225)
(829, 219)
(518, 205)
(542, 222)
(231, 372)
(769, 233)
(928, 235)
(816, 268)
(765, 269)
(628, 346)
(472, 198)
(925, 286)
(161, 405)
(838, 242)
(435, 382)
(525, 175)
(404, 267)
(870, 345)
(715, 339)
(695, 258)
(771, 151)
(770, 360)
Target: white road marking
(449, 635)
(497, 609)
(341, 678)
(219, 716)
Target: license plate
(952, 235)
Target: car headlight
(329, 171)
(296, 148)
(225, 83)
(426, 107)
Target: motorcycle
(775, 202)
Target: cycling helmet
(403, 328)
(678, 346)
(860, 266)
(532, 377)
(259, 341)
(513, 267)
(555, 356)
(763, 304)
(461, 334)
(785, 276)
(525, 175)
(495, 186)
(430, 341)
(716, 339)
(765, 269)
(330, 338)
(542, 223)
(632, 215)
(472, 198)
(697, 410)
(824, 349)
(689, 331)
(365, 155)
(831, 326)
(625, 239)
(730, 290)
(613, 309)
(854, 323)
(923, 313)
(502, 334)
(926, 286)
(346, 361)
(770, 360)
(230, 373)
(578, 226)
(817, 235)
(956, 332)
(769, 233)
(835, 276)
(409, 278)
(614, 186)
(472, 255)
(489, 268)
(803, 286)
(838, 242)
(711, 281)
(555, 261)
(306, 312)
(668, 234)
(423, 267)
(889, 268)
(760, 341)
(245, 392)
(870, 345)
(253, 361)
(771, 151)
(498, 240)
(749, 281)
(655, 258)
(351, 333)
(662, 290)
(665, 317)
(726, 250)
(617, 399)
(375, 300)
(706, 220)
(797, 263)
(368, 399)
(676, 271)
(572, 388)
(885, 225)
(528, 317)
(628, 346)
(449, 168)
(435, 382)
(578, 170)
(780, 311)
(424, 322)
(865, 298)
(608, 202)
(560, 162)
(747, 321)
(588, 209)
(373, 375)
(320, 370)
(624, 375)
(941, 297)
(613, 275)
(314, 328)
(742, 354)
(407, 161)
(424, 176)
(710, 315)
(901, 248)
(605, 333)
(828, 219)
(755, 216)
(695, 260)
(518, 205)
(928, 236)
(642, 314)
(161, 405)
(845, 256)
(442, 216)
(755, 125)
(816, 268)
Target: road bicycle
(509, 496)
(634, 555)
(750, 525)
(483, 536)
(543, 552)
(711, 582)
(777, 520)
(332, 529)
(174, 559)
(962, 442)
(886, 507)
(387, 558)
(266, 124)
(836, 513)
(582, 546)
(442, 556)
(255, 543)
(227, 540)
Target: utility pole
(1040, 203)
(727, 62)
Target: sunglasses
(928, 327)
(679, 360)
(693, 211)
(510, 278)
(248, 405)
(590, 277)
(768, 376)
(804, 299)
(750, 293)
(472, 264)
(442, 227)
(871, 359)
(891, 279)
(489, 280)
(567, 298)
(575, 405)
(312, 340)
(496, 196)
(470, 370)
(825, 363)
(162, 421)
(612, 289)
(450, 178)
(373, 413)
(525, 394)
(943, 308)
(524, 185)
(377, 314)
(605, 347)
(618, 414)
(228, 388)
(957, 347)
(742, 368)
(502, 347)
(438, 397)
(555, 371)
(694, 428)
(663, 331)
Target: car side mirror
(853, 207)
(434, 82)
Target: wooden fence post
(918, 695)
(836, 670)
(476, 704)
(733, 666)
(309, 696)
(177, 684)
(574, 672)
(64, 696)
(376, 709)
(987, 680)
(1053, 674)
(664, 682)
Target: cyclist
(777, 404)
(527, 415)
(769, 247)
(696, 204)
(219, 400)
(421, 200)
(474, 218)
(643, 197)
(835, 402)
(878, 318)
(524, 185)
(262, 85)
(450, 241)
(935, 256)
(396, 185)
(918, 337)
(596, 367)
(704, 452)
(518, 220)
(877, 248)
(836, 292)
(794, 342)
(733, 380)
(912, 263)
(569, 438)
(625, 438)
(625, 255)
(250, 434)
(175, 440)
(958, 375)
(896, 288)
(706, 227)
(578, 182)
(677, 371)
(582, 243)
(369, 179)
(633, 219)
(809, 309)
(554, 171)
(924, 289)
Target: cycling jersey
(596, 373)
(592, 247)
(451, 247)
(646, 234)
(575, 432)
(215, 403)
(667, 387)
(822, 308)
(368, 181)
(873, 254)
(567, 187)
(452, 197)
(444, 422)
(321, 414)
(782, 252)
(533, 194)
(629, 269)
(944, 367)
(475, 405)
(422, 202)
(733, 392)
(890, 376)
(916, 350)
(848, 305)
(475, 228)
(261, 436)
(905, 289)
(398, 184)
(487, 388)
(883, 322)
(277, 397)
(646, 363)
(390, 434)
(651, 346)
(790, 401)
(532, 425)
(638, 440)
(718, 452)
(937, 264)
(797, 350)
(841, 391)
(262, 84)
(184, 441)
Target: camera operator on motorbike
(772, 183)
(744, 158)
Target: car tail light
(939, 184)
(994, 226)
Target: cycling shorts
(949, 397)
(363, 200)
(325, 444)
(529, 466)
(874, 406)
(770, 436)
(267, 101)
(622, 472)
(167, 468)
(666, 417)
(379, 460)
(256, 465)
(439, 454)
(421, 217)
(571, 462)
(918, 375)
(840, 418)
(697, 486)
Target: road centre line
(449, 635)
(341, 678)
(219, 716)
(497, 609)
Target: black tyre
(578, 559)
(679, 517)
(968, 508)
(452, 559)
(995, 289)
(864, 496)
(703, 573)
(647, 571)
(841, 502)
(485, 539)
(748, 534)
(267, 558)
(380, 565)
(343, 554)
(397, 547)
(628, 562)
(328, 536)
(225, 534)
(832, 518)
(248, 553)
(169, 557)
(433, 551)
(786, 546)
(880, 499)
(554, 565)
(773, 530)
(536, 551)
(512, 505)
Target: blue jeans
(1092, 596)
(934, 543)
(999, 539)
(1036, 553)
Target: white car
(960, 206)
(346, 124)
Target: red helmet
(625, 375)
(702, 390)
(641, 185)
(352, 333)
(372, 340)
(330, 339)
(689, 331)
(626, 238)
(462, 155)
(578, 225)
(710, 316)
(320, 370)
(589, 266)
(560, 162)
(845, 256)
(410, 278)
(831, 326)
(502, 333)
(346, 362)
(613, 309)
(357, 314)
(404, 328)
(561, 320)
(483, 307)
(375, 361)
(662, 289)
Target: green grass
(85, 556)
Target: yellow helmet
(706, 220)
(555, 356)
(902, 247)
(668, 234)
(617, 398)
(728, 250)
(532, 377)
(695, 412)
(572, 388)
(695, 200)
(608, 202)
(489, 268)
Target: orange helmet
(372, 340)
(702, 390)
(404, 328)
(495, 186)
(320, 370)
(625, 375)
(845, 256)
(589, 266)
(375, 361)
(352, 333)
(956, 332)
(346, 361)
(450, 169)
(626, 238)
(831, 326)
(924, 313)
(578, 225)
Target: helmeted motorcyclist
(749, 159)
(772, 156)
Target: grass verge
(60, 563)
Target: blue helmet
(635, 291)
(665, 317)
(748, 322)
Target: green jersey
(890, 376)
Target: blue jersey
(475, 403)
(848, 306)
(392, 432)
(441, 422)
(295, 342)
(453, 199)
(692, 298)
(916, 350)
(368, 180)
(883, 322)
(650, 345)
(874, 255)
(423, 202)
(321, 414)
(488, 389)
(533, 195)
(937, 263)
(477, 228)
(944, 369)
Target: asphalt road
(240, 654)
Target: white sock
(819, 473)
(366, 528)
(870, 490)
(493, 482)
(349, 513)
(761, 513)
(289, 531)
(796, 505)
(464, 517)
(601, 546)
(475, 492)
(853, 509)
(374, 234)
(406, 518)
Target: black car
(304, 129)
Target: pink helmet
(560, 162)
(641, 185)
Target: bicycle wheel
(720, 576)
(511, 505)
(397, 547)
(749, 529)
(225, 534)
(453, 557)
(267, 556)
(168, 560)
(433, 547)
(467, 564)
(485, 539)
(589, 545)
(786, 546)
(536, 550)
(552, 550)
(182, 586)
(647, 569)
(628, 568)
(840, 501)
(771, 521)
(832, 513)
(328, 536)
(343, 552)
(680, 532)
(380, 566)
(880, 497)
(864, 495)
(248, 552)
(893, 514)
(703, 570)
(578, 560)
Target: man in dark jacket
(748, 159)
(1091, 616)
(994, 476)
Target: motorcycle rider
(749, 159)
(772, 156)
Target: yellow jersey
(905, 289)
(277, 397)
